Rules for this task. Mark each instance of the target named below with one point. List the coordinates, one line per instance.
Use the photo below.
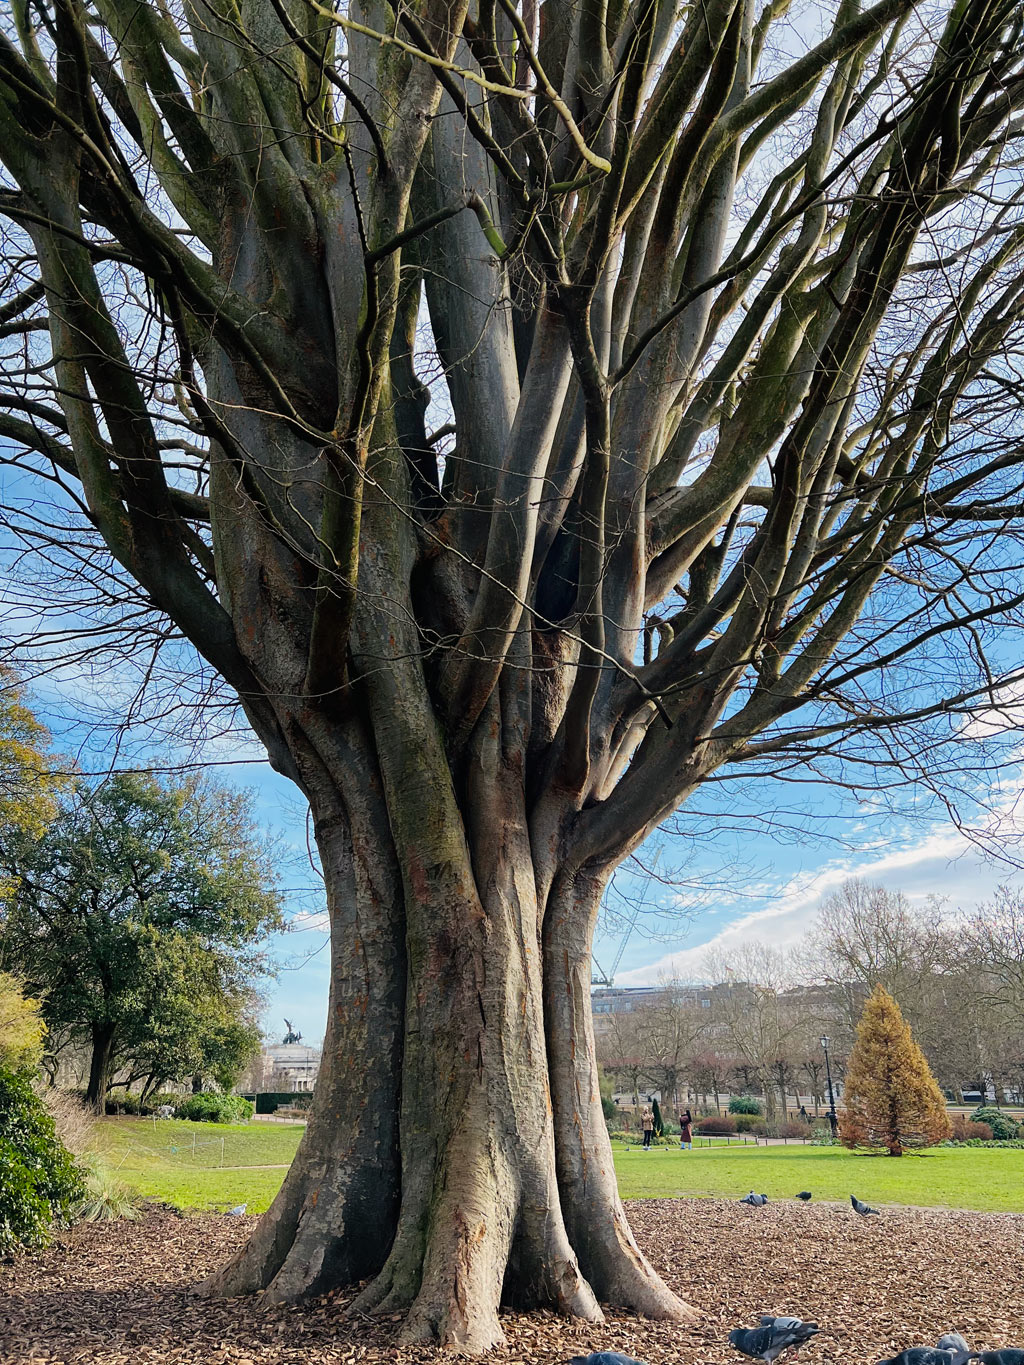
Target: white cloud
(942, 863)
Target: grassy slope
(157, 1160)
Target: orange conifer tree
(891, 1097)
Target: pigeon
(864, 1209)
(238, 1211)
(926, 1355)
(755, 1199)
(953, 1341)
(605, 1358)
(804, 1195)
(1009, 1355)
(774, 1336)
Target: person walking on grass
(647, 1121)
(685, 1129)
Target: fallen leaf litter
(119, 1294)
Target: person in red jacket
(685, 1140)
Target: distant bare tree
(866, 936)
(760, 1022)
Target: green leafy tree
(21, 1026)
(137, 914)
(200, 1022)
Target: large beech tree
(720, 306)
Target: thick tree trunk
(598, 1229)
(479, 1209)
(99, 1066)
(436, 1042)
(334, 1218)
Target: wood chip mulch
(110, 1294)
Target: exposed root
(623, 1275)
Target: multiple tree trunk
(701, 429)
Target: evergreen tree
(659, 1122)
(891, 1097)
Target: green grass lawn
(982, 1178)
(158, 1160)
(195, 1165)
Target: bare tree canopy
(723, 317)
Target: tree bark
(99, 1066)
(437, 1016)
(334, 1218)
(596, 1219)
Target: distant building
(609, 1000)
(294, 1066)
(291, 1065)
(622, 999)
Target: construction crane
(602, 978)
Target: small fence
(154, 1142)
(721, 1140)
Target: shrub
(1003, 1127)
(209, 1108)
(965, 1129)
(21, 1026)
(159, 1099)
(797, 1129)
(122, 1102)
(105, 1197)
(749, 1123)
(40, 1185)
(715, 1127)
(1016, 1144)
(745, 1104)
(609, 1107)
(131, 1102)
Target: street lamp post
(833, 1121)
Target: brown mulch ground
(117, 1293)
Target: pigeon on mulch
(951, 1349)
(238, 1211)
(604, 1358)
(927, 1355)
(804, 1195)
(774, 1336)
(953, 1341)
(1009, 1355)
(864, 1209)
(754, 1199)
